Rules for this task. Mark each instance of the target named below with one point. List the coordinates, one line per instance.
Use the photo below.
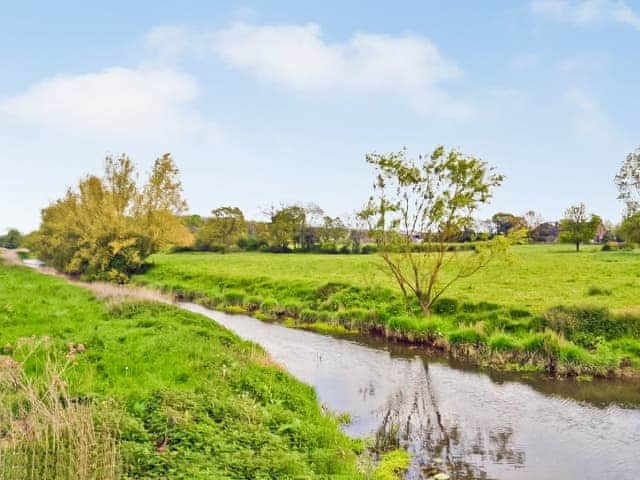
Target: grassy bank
(547, 308)
(191, 399)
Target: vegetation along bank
(542, 308)
(145, 390)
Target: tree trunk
(577, 246)
(425, 305)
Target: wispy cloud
(587, 12)
(297, 57)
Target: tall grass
(44, 432)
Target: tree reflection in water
(412, 419)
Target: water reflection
(458, 421)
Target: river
(468, 424)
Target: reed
(45, 433)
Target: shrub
(468, 336)
(234, 297)
(345, 249)
(269, 306)
(292, 308)
(309, 316)
(591, 320)
(546, 343)
(503, 343)
(367, 249)
(253, 303)
(445, 306)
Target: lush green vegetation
(506, 315)
(192, 399)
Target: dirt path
(103, 290)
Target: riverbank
(192, 399)
(596, 337)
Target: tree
(432, 198)
(577, 226)
(12, 240)
(629, 229)
(288, 226)
(107, 226)
(507, 222)
(223, 228)
(332, 230)
(628, 182)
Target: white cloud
(116, 103)
(297, 57)
(587, 12)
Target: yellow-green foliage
(107, 226)
(392, 465)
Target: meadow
(543, 307)
(190, 399)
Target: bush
(291, 308)
(468, 336)
(594, 321)
(367, 249)
(269, 306)
(253, 303)
(234, 297)
(345, 249)
(503, 343)
(445, 306)
(252, 243)
(309, 316)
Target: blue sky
(269, 102)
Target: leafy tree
(332, 230)
(577, 226)
(224, 227)
(506, 223)
(629, 229)
(545, 232)
(12, 240)
(432, 198)
(628, 182)
(193, 222)
(288, 226)
(107, 226)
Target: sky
(269, 102)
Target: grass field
(506, 312)
(194, 401)
(536, 277)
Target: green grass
(195, 400)
(535, 278)
(502, 312)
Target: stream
(465, 423)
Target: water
(466, 423)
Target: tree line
(107, 225)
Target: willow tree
(416, 209)
(107, 226)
